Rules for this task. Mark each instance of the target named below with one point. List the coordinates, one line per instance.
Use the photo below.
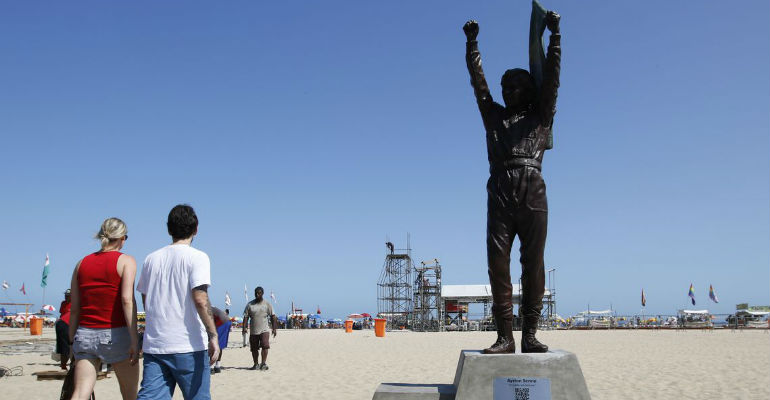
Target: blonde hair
(112, 229)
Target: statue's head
(518, 89)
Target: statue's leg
(532, 228)
(499, 240)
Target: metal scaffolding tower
(394, 289)
(549, 301)
(427, 297)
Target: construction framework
(427, 297)
(455, 300)
(549, 299)
(394, 288)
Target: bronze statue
(517, 137)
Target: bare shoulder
(126, 259)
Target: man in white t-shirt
(179, 323)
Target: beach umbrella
(48, 307)
(353, 316)
(366, 315)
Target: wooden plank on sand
(60, 374)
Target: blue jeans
(162, 372)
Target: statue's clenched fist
(471, 29)
(552, 21)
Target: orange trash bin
(35, 326)
(379, 327)
(349, 326)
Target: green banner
(44, 281)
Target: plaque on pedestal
(555, 375)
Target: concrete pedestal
(476, 373)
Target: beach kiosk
(592, 319)
(748, 319)
(695, 319)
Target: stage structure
(456, 298)
(394, 288)
(427, 297)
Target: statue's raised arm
(551, 70)
(473, 59)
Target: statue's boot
(529, 344)
(505, 342)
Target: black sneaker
(253, 367)
(264, 367)
(217, 370)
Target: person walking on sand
(103, 314)
(223, 324)
(258, 316)
(63, 330)
(180, 339)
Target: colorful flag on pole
(318, 310)
(22, 290)
(272, 296)
(246, 292)
(712, 295)
(691, 293)
(6, 285)
(227, 299)
(644, 299)
(44, 281)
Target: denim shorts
(109, 344)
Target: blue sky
(305, 134)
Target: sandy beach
(315, 363)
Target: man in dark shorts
(258, 317)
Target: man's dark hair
(257, 289)
(182, 222)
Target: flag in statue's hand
(537, 52)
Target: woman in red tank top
(103, 315)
